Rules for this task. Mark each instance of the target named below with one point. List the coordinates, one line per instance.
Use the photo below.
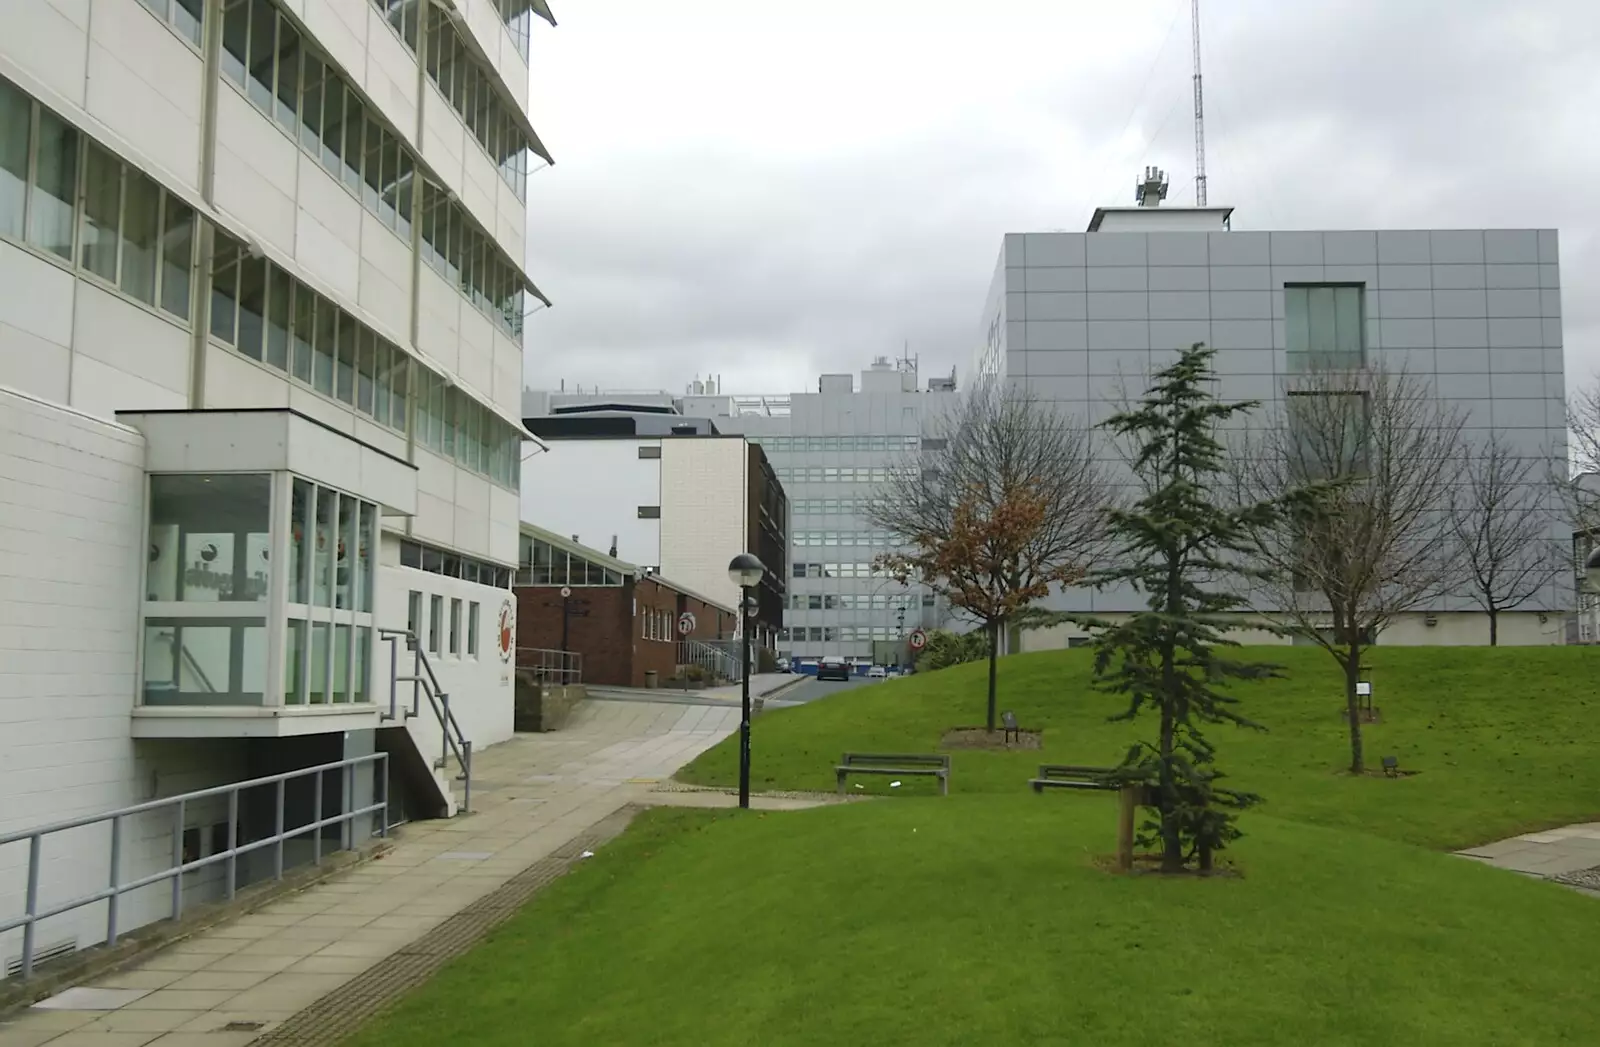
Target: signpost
(918, 639)
(685, 623)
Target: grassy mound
(982, 920)
(1504, 738)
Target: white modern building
(1078, 318)
(830, 449)
(661, 490)
(260, 372)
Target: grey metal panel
(1057, 334)
(1239, 334)
(1013, 249)
(1129, 363)
(1016, 336)
(1523, 331)
(1054, 248)
(1060, 305)
(1240, 249)
(1242, 278)
(1118, 278)
(1552, 332)
(1549, 276)
(1055, 278)
(1459, 276)
(1549, 247)
(1518, 360)
(1405, 277)
(1351, 274)
(1460, 332)
(1518, 414)
(1116, 248)
(1298, 274)
(1062, 362)
(1462, 386)
(1181, 334)
(1180, 278)
(1462, 361)
(1180, 305)
(1016, 279)
(1511, 245)
(1512, 276)
(1418, 361)
(1246, 361)
(1401, 305)
(1517, 386)
(1407, 334)
(1297, 248)
(1469, 303)
(1404, 247)
(1550, 303)
(1476, 414)
(1119, 305)
(1554, 360)
(1063, 387)
(1350, 248)
(1241, 305)
(1016, 308)
(1179, 249)
(1119, 334)
(1524, 302)
(1452, 246)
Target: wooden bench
(1071, 776)
(937, 765)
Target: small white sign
(1363, 689)
(685, 623)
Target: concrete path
(1563, 854)
(229, 984)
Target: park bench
(936, 765)
(1071, 776)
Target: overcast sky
(768, 191)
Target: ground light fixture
(745, 571)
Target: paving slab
(534, 798)
(1546, 854)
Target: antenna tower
(1199, 114)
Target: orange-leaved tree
(1003, 504)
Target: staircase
(412, 738)
(719, 658)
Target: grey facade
(1076, 318)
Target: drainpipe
(205, 240)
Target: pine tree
(1176, 544)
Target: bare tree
(1501, 514)
(1581, 498)
(1004, 501)
(1381, 453)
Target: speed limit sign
(919, 639)
(685, 623)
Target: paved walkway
(1552, 854)
(228, 984)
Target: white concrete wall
(594, 488)
(703, 513)
(71, 556)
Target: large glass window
(1325, 327)
(252, 307)
(435, 623)
(263, 52)
(177, 257)
(102, 195)
(204, 661)
(208, 538)
(299, 540)
(279, 294)
(16, 115)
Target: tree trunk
(1494, 627)
(1352, 673)
(994, 656)
(1171, 843)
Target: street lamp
(746, 572)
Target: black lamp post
(746, 572)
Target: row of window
(818, 474)
(455, 248)
(831, 506)
(437, 561)
(292, 83)
(837, 570)
(186, 16)
(439, 638)
(1325, 326)
(541, 563)
(658, 624)
(855, 601)
(129, 231)
(518, 18)
(790, 444)
(838, 633)
(872, 538)
(452, 424)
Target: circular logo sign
(919, 639)
(565, 592)
(507, 630)
(685, 623)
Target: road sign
(565, 592)
(919, 639)
(685, 623)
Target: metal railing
(424, 682)
(115, 889)
(561, 667)
(720, 658)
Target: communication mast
(1199, 115)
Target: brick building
(620, 618)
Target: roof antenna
(1199, 115)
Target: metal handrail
(424, 682)
(112, 893)
(545, 663)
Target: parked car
(783, 665)
(833, 668)
(877, 672)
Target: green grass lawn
(1506, 739)
(987, 918)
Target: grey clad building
(1077, 317)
